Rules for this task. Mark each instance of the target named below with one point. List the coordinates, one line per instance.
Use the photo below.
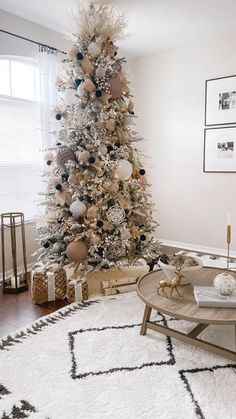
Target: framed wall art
(220, 101)
(220, 150)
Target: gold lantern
(15, 279)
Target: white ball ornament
(125, 234)
(123, 170)
(77, 208)
(224, 283)
(100, 71)
(70, 97)
(62, 134)
(56, 248)
(94, 49)
(102, 149)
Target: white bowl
(190, 274)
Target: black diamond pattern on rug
(191, 384)
(111, 335)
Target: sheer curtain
(49, 67)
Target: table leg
(235, 336)
(146, 317)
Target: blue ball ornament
(58, 116)
(98, 93)
(78, 82)
(91, 160)
(79, 56)
(58, 187)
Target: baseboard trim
(198, 248)
(10, 272)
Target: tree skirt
(89, 361)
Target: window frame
(23, 59)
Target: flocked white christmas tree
(98, 213)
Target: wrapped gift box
(119, 286)
(48, 285)
(77, 290)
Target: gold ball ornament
(84, 156)
(114, 188)
(77, 251)
(107, 184)
(97, 165)
(115, 87)
(135, 231)
(92, 212)
(102, 149)
(124, 202)
(95, 239)
(111, 124)
(107, 226)
(143, 181)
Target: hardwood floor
(17, 310)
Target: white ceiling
(153, 25)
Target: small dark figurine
(163, 258)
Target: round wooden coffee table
(185, 308)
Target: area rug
(88, 361)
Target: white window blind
(20, 142)
(20, 135)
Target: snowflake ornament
(116, 215)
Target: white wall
(27, 29)
(169, 97)
(12, 46)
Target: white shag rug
(88, 361)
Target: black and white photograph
(219, 150)
(227, 100)
(220, 101)
(225, 150)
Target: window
(20, 159)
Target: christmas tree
(98, 213)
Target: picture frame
(219, 150)
(220, 101)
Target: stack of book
(209, 297)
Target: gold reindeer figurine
(172, 283)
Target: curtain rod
(47, 47)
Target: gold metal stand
(228, 239)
